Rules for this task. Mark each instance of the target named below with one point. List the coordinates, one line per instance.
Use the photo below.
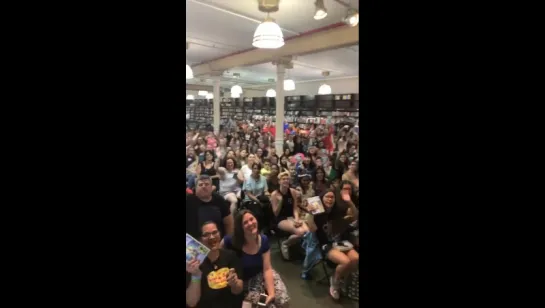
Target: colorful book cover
(314, 205)
(194, 249)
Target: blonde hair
(285, 173)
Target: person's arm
(237, 285)
(294, 192)
(240, 176)
(196, 136)
(247, 190)
(268, 275)
(275, 203)
(198, 169)
(193, 292)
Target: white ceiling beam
(335, 38)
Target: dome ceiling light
(321, 11)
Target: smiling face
(284, 160)
(305, 182)
(256, 170)
(229, 164)
(208, 156)
(259, 152)
(243, 153)
(211, 236)
(353, 166)
(274, 170)
(320, 175)
(342, 158)
(249, 224)
(251, 159)
(285, 181)
(287, 152)
(328, 200)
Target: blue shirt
(255, 187)
(251, 264)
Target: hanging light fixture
(202, 93)
(190, 97)
(236, 89)
(289, 85)
(321, 12)
(268, 35)
(324, 88)
(235, 95)
(270, 93)
(188, 70)
(352, 17)
(210, 96)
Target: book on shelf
(194, 249)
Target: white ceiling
(217, 28)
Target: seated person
(306, 191)
(229, 185)
(255, 254)
(332, 227)
(266, 167)
(217, 281)
(352, 174)
(206, 206)
(255, 185)
(272, 181)
(285, 209)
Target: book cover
(194, 249)
(314, 205)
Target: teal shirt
(255, 187)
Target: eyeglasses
(208, 234)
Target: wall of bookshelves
(333, 108)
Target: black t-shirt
(199, 212)
(214, 289)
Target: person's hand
(192, 267)
(297, 223)
(232, 277)
(346, 196)
(270, 299)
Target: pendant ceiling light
(209, 96)
(190, 97)
(236, 89)
(202, 93)
(289, 85)
(268, 35)
(324, 89)
(352, 18)
(235, 95)
(270, 93)
(321, 12)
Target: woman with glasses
(217, 281)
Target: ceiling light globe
(271, 93)
(324, 89)
(268, 35)
(190, 97)
(236, 89)
(289, 85)
(320, 14)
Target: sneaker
(284, 249)
(333, 288)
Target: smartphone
(262, 299)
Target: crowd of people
(240, 191)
